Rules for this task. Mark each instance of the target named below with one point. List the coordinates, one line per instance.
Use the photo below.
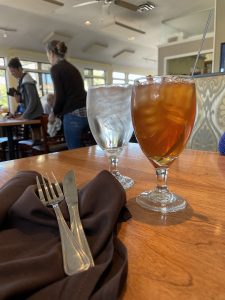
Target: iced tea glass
(163, 114)
(109, 117)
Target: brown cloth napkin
(31, 265)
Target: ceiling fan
(140, 8)
(56, 2)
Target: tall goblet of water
(163, 113)
(109, 117)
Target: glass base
(125, 181)
(165, 202)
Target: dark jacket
(69, 88)
(30, 97)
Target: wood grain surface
(175, 256)
(16, 122)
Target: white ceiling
(35, 19)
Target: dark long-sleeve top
(69, 88)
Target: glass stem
(113, 164)
(161, 175)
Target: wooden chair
(3, 148)
(49, 144)
(87, 138)
(25, 142)
(4, 151)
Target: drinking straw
(202, 42)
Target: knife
(71, 197)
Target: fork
(74, 258)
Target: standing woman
(70, 95)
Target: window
(45, 67)
(3, 84)
(132, 77)
(31, 65)
(118, 78)
(40, 73)
(47, 83)
(2, 62)
(93, 77)
(121, 77)
(98, 73)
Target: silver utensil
(71, 197)
(74, 258)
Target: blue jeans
(73, 128)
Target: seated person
(48, 102)
(20, 106)
(20, 109)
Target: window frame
(117, 79)
(4, 68)
(92, 77)
(38, 71)
(127, 80)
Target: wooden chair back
(49, 144)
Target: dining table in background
(9, 124)
(170, 256)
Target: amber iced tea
(163, 113)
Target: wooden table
(9, 124)
(176, 256)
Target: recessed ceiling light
(5, 34)
(131, 38)
(87, 23)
